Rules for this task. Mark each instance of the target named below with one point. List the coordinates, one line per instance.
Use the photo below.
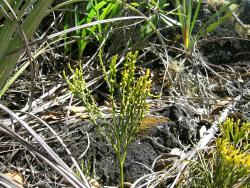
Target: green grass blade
(30, 24)
(13, 78)
(196, 13)
(188, 32)
(223, 9)
(61, 5)
(92, 13)
(212, 26)
(181, 15)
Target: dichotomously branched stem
(128, 101)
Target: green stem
(121, 164)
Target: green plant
(95, 10)
(86, 169)
(19, 21)
(128, 102)
(220, 170)
(188, 18)
(17, 27)
(228, 166)
(158, 14)
(237, 132)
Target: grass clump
(188, 14)
(128, 102)
(229, 164)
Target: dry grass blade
(63, 145)
(68, 176)
(64, 32)
(60, 166)
(7, 182)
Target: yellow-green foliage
(78, 87)
(233, 147)
(237, 132)
(234, 144)
(240, 160)
(229, 164)
(128, 97)
(128, 101)
(233, 157)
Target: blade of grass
(29, 25)
(223, 9)
(13, 78)
(69, 177)
(62, 166)
(196, 13)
